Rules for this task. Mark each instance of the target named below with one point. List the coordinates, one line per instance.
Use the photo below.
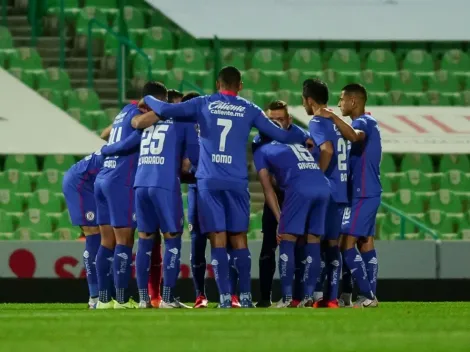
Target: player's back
(160, 155)
(365, 159)
(324, 130)
(121, 168)
(88, 167)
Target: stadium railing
(4, 12)
(126, 45)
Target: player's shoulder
(320, 122)
(299, 128)
(366, 119)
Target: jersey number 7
(227, 124)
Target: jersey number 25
(153, 140)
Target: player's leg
(156, 272)
(320, 285)
(298, 294)
(211, 217)
(345, 299)
(233, 276)
(237, 213)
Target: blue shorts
(115, 204)
(222, 210)
(193, 221)
(334, 218)
(159, 208)
(359, 219)
(80, 199)
(303, 212)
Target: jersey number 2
(227, 124)
(154, 139)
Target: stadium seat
(71, 8)
(6, 40)
(382, 61)
(447, 201)
(68, 234)
(415, 181)
(189, 59)
(27, 59)
(421, 162)
(463, 228)
(457, 62)
(133, 18)
(111, 113)
(365, 48)
(101, 120)
(256, 80)
(397, 97)
(25, 163)
(23, 75)
(335, 81)
(438, 49)
(46, 201)
(158, 38)
(403, 48)
(26, 234)
(59, 162)
(58, 79)
(10, 201)
(6, 223)
(234, 57)
(267, 60)
(186, 40)
(260, 99)
(85, 15)
(331, 46)
(18, 181)
(387, 165)
(157, 61)
(391, 228)
(344, 60)
(387, 187)
(306, 60)
(419, 62)
(292, 80)
(443, 225)
(454, 162)
(444, 82)
(83, 98)
(50, 179)
(64, 221)
(290, 97)
(54, 96)
(107, 6)
(406, 81)
(178, 75)
(373, 82)
(456, 181)
(36, 220)
(434, 98)
(408, 202)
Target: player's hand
(324, 112)
(309, 143)
(278, 239)
(142, 106)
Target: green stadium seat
(444, 82)
(111, 45)
(438, 49)
(415, 181)
(463, 228)
(397, 97)
(382, 61)
(10, 201)
(59, 162)
(233, 57)
(101, 120)
(335, 81)
(457, 62)
(456, 181)
(419, 62)
(50, 179)
(104, 4)
(186, 40)
(256, 80)
(111, 113)
(157, 61)
(403, 48)
(438, 221)
(387, 165)
(6, 40)
(190, 59)
(54, 96)
(387, 187)
(23, 75)
(83, 98)
(290, 97)
(26, 234)
(391, 228)
(6, 223)
(344, 60)
(27, 59)
(373, 82)
(408, 202)
(406, 81)
(3, 59)
(365, 48)
(292, 80)
(373, 98)
(133, 18)
(75, 113)
(178, 75)
(454, 162)
(260, 99)
(71, 8)
(267, 60)
(158, 38)
(420, 162)
(66, 234)
(64, 221)
(25, 163)
(447, 201)
(331, 46)
(306, 60)
(18, 181)
(85, 15)
(36, 220)
(433, 98)
(46, 201)
(58, 79)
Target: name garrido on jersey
(226, 109)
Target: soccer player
(333, 161)
(158, 202)
(174, 96)
(225, 121)
(306, 197)
(277, 111)
(359, 219)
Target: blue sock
(321, 278)
(104, 260)
(92, 243)
(232, 273)
(333, 267)
(198, 262)
(312, 267)
(242, 263)
(171, 264)
(219, 262)
(372, 267)
(346, 278)
(286, 268)
(122, 271)
(358, 271)
(142, 267)
(298, 293)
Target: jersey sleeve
(259, 160)
(318, 132)
(301, 131)
(361, 124)
(191, 138)
(129, 145)
(184, 112)
(264, 125)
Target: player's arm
(127, 146)
(326, 153)
(269, 194)
(188, 172)
(184, 112)
(292, 136)
(144, 120)
(319, 136)
(106, 132)
(349, 132)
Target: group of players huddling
(322, 192)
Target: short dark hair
(155, 89)
(277, 105)
(230, 76)
(174, 94)
(356, 88)
(316, 90)
(189, 96)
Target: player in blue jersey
(278, 112)
(225, 121)
(359, 219)
(303, 212)
(333, 161)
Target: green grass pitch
(427, 327)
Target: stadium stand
(434, 189)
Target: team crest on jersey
(90, 216)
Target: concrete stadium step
(109, 103)
(53, 53)
(80, 73)
(107, 93)
(99, 83)
(20, 31)
(19, 41)
(17, 21)
(11, 11)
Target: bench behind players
(366, 190)
(225, 121)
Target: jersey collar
(228, 92)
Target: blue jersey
(365, 159)
(161, 151)
(291, 164)
(88, 167)
(257, 139)
(324, 130)
(191, 136)
(122, 168)
(225, 121)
